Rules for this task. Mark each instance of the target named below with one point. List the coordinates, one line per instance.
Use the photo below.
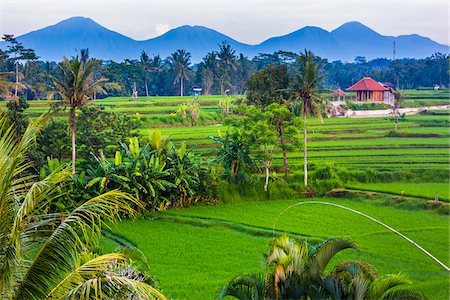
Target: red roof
(339, 92)
(367, 84)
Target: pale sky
(248, 21)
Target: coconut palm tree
(74, 83)
(47, 256)
(145, 64)
(227, 63)
(307, 80)
(180, 62)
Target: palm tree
(209, 65)
(307, 80)
(180, 62)
(47, 256)
(75, 82)
(296, 271)
(155, 68)
(227, 62)
(145, 64)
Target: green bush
(366, 106)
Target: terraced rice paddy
(194, 252)
(422, 142)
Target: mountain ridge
(344, 43)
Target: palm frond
(111, 286)
(59, 254)
(245, 287)
(383, 285)
(400, 294)
(325, 252)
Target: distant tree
(17, 52)
(16, 116)
(286, 125)
(270, 85)
(398, 100)
(75, 82)
(145, 64)
(260, 135)
(208, 68)
(179, 63)
(244, 69)
(155, 68)
(441, 60)
(227, 63)
(307, 80)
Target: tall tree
(179, 63)
(145, 64)
(18, 52)
(308, 77)
(287, 128)
(227, 63)
(208, 69)
(155, 68)
(270, 85)
(75, 82)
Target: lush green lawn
(421, 190)
(194, 251)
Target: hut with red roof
(338, 94)
(368, 89)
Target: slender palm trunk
(73, 127)
(17, 79)
(181, 87)
(267, 166)
(305, 151)
(146, 88)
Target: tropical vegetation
(52, 255)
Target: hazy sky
(248, 21)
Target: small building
(338, 95)
(197, 91)
(368, 89)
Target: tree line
(221, 71)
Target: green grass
(195, 251)
(420, 190)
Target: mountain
(344, 43)
(197, 40)
(312, 38)
(65, 37)
(360, 40)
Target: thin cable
(368, 217)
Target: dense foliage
(221, 71)
(297, 271)
(46, 255)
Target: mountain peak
(354, 28)
(77, 21)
